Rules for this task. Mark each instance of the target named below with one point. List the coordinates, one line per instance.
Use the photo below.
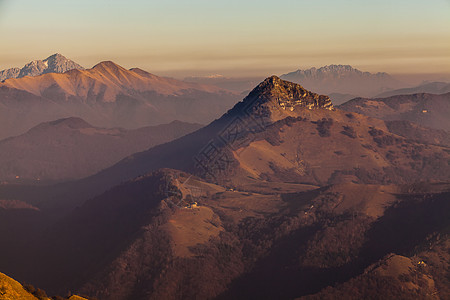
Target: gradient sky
(235, 38)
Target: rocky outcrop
(9, 73)
(275, 96)
(288, 95)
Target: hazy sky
(234, 38)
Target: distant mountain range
(107, 95)
(55, 63)
(71, 148)
(343, 79)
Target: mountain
(68, 149)
(55, 63)
(107, 96)
(284, 189)
(103, 83)
(428, 87)
(343, 79)
(278, 133)
(427, 110)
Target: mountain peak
(287, 95)
(107, 64)
(55, 63)
(56, 56)
(72, 122)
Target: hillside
(427, 110)
(68, 149)
(161, 246)
(418, 133)
(107, 95)
(428, 87)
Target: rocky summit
(55, 63)
(288, 95)
(274, 99)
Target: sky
(237, 38)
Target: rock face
(9, 73)
(11, 289)
(343, 79)
(287, 95)
(52, 64)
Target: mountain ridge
(343, 79)
(436, 87)
(428, 110)
(104, 81)
(107, 95)
(55, 63)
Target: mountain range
(68, 149)
(343, 79)
(55, 63)
(284, 189)
(107, 95)
(270, 135)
